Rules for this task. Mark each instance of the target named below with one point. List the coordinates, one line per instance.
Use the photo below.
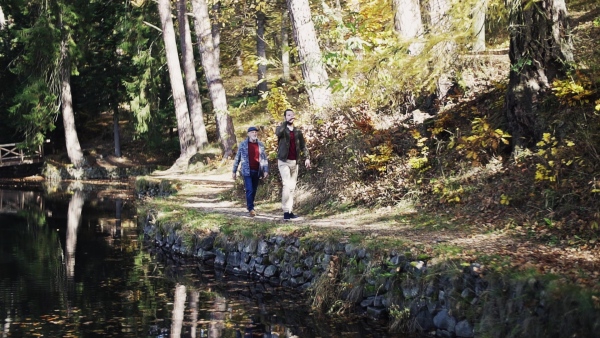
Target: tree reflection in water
(118, 289)
(73, 221)
(178, 309)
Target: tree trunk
(2, 19)
(191, 83)
(540, 50)
(238, 63)
(285, 45)
(313, 70)
(408, 23)
(479, 25)
(116, 129)
(440, 24)
(187, 144)
(210, 63)
(71, 139)
(261, 51)
(215, 30)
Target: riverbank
(435, 273)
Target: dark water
(75, 267)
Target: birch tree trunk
(285, 45)
(210, 63)
(479, 25)
(315, 76)
(215, 30)
(540, 51)
(71, 139)
(408, 23)
(187, 144)
(261, 51)
(238, 63)
(191, 82)
(2, 19)
(440, 24)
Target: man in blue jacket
(253, 158)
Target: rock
(234, 259)
(444, 334)
(270, 271)
(424, 319)
(350, 249)
(263, 248)
(220, 257)
(309, 261)
(206, 243)
(367, 302)
(376, 312)
(444, 321)
(409, 290)
(329, 248)
(464, 329)
(420, 117)
(250, 246)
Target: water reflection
(178, 308)
(80, 270)
(73, 220)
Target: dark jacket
(283, 142)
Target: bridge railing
(13, 152)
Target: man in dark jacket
(253, 159)
(291, 146)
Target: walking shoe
(292, 216)
(286, 216)
(252, 213)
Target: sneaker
(292, 216)
(252, 213)
(286, 216)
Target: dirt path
(579, 263)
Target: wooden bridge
(14, 154)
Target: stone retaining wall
(447, 300)
(57, 173)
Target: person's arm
(236, 162)
(280, 130)
(304, 149)
(264, 162)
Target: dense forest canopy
(161, 69)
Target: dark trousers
(251, 184)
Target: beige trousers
(289, 176)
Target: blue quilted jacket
(242, 157)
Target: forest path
(467, 238)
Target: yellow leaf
(546, 137)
